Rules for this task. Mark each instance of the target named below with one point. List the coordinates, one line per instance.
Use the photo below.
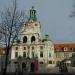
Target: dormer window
(65, 48)
(74, 49)
(70, 48)
(62, 48)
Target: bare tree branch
(11, 23)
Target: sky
(53, 16)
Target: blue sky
(53, 15)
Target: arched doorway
(32, 67)
(68, 63)
(23, 67)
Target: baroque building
(31, 43)
(31, 50)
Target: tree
(11, 22)
(73, 12)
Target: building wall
(48, 52)
(60, 56)
(43, 49)
(64, 52)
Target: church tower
(31, 31)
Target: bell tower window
(33, 14)
(32, 39)
(24, 39)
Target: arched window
(32, 39)
(24, 39)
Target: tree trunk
(6, 62)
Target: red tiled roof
(2, 50)
(60, 47)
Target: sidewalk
(71, 70)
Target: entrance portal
(23, 66)
(32, 67)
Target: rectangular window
(50, 62)
(16, 54)
(53, 62)
(24, 48)
(65, 48)
(32, 54)
(16, 48)
(73, 55)
(41, 62)
(41, 54)
(58, 55)
(24, 54)
(74, 49)
(32, 47)
(66, 55)
(49, 54)
(15, 62)
(41, 47)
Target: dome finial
(32, 7)
(32, 14)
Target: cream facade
(64, 53)
(63, 57)
(31, 43)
